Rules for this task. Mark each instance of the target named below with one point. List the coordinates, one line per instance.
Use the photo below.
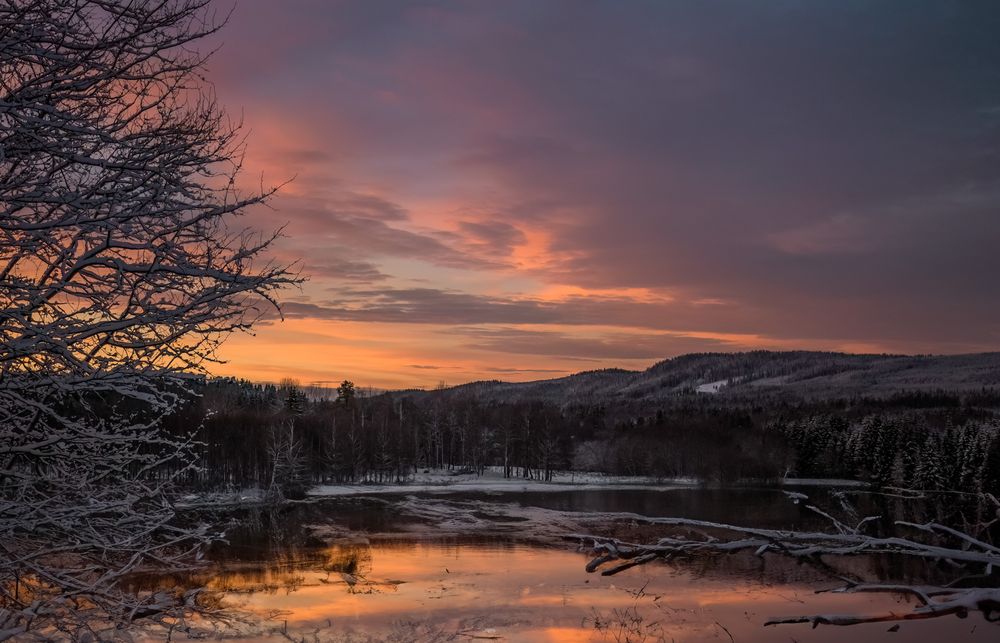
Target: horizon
(526, 190)
(331, 385)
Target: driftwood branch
(944, 544)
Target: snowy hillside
(793, 374)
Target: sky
(520, 190)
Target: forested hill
(756, 374)
(916, 422)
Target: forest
(285, 437)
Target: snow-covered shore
(821, 482)
(492, 481)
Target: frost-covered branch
(942, 544)
(121, 272)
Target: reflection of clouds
(566, 634)
(535, 594)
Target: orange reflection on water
(419, 591)
(565, 634)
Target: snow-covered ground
(493, 481)
(822, 482)
(249, 496)
(712, 387)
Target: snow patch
(712, 387)
(492, 481)
(821, 482)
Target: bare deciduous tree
(121, 271)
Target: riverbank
(493, 481)
(430, 481)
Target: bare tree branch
(120, 275)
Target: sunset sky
(524, 189)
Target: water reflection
(440, 590)
(384, 583)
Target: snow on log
(959, 549)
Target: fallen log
(952, 546)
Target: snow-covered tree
(973, 442)
(929, 473)
(990, 476)
(288, 463)
(121, 271)
(295, 400)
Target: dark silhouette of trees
(388, 437)
(120, 273)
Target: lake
(494, 566)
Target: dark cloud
(365, 206)
(328, 264)
(458, 309)
(614, 346)
(829, 170)
(371, 227)
(427, 306)
(676, 318)
(494, 238)
(511, 371)
(434, 306)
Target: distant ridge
(792, 374)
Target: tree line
(283, 438)
(898, 452)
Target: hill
(758, 374)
